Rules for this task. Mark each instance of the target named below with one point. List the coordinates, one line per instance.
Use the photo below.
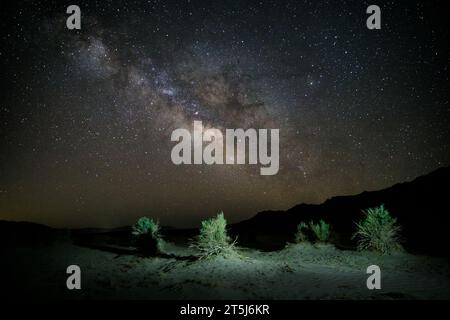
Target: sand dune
(296, 272)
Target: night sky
(86, 115)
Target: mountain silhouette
(421, 207)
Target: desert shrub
(300, 235)
(378, 231)
(213, 239)
(145, 225)
(320, 230)
(147, 235)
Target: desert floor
(297, 272)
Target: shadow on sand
(131, 251)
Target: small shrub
(300, 235)
(145, 225)
(320, 230)
(148, 237)
(213, 239)
(378, 231)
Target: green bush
(147, 235)
(145, 225)
(300, 235)
(320, 230)
(213, 239)
(378, 231)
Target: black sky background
(86, 116)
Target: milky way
(87, 114)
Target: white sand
(297, 272)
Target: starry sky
(86, 115)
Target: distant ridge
(421, 206)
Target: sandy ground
(298, 272)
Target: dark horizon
(251, 215)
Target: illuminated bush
(300, 235)
(378, 231)
(213, 239)
(148, 238)
(320, 230)
(145, 225)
